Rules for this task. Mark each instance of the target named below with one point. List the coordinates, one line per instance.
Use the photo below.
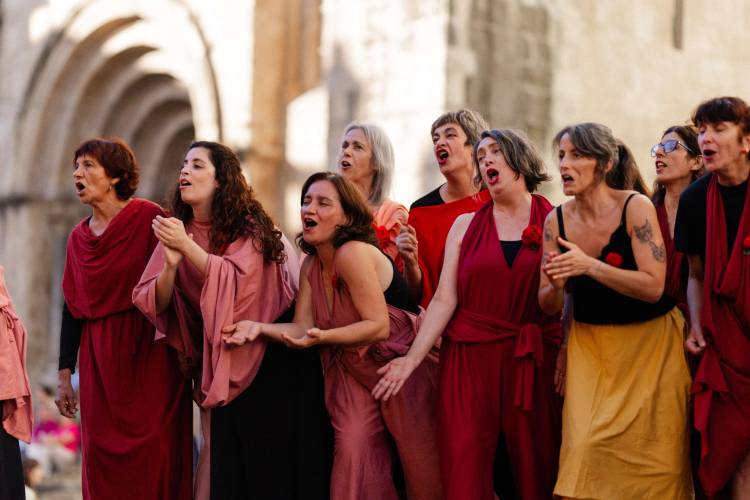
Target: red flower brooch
(382, 234)
(613, 259)
(532, 237)
(746, 245)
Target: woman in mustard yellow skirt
(625, 413)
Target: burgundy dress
(497, 366)
(135, 404)
(722, 383)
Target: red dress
(677, 273)
(135, 406)
(432, 224)
(497, 365)
(722, 383)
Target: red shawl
(15, 392)
(497, 302)
(432, 225)
(722, 383)
(676, 281)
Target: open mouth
(566, 179)
(308, 223)
(184, 183)
(708, 153)
(660, 165)
(442, 156)
(492, 176)
(80, 187)
(344, 164)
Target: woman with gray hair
(366, 160)
(625, 412)
(496, 391)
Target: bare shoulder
(639, 208)
(354, 252)
(460, 225)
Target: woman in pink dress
(353, 301)
(220, 259)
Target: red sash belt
(470, 327)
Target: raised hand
(574, 262)
(171, 232)
(407, 245)
(241, 332)
(394, 375)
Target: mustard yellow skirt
(625, 421)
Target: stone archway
(138, 70)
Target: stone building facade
(278, 80)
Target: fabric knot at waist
(470, 327)
(9, 316)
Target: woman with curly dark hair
(220, 259)
(353, 301)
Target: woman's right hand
(67, 402)
(557, 283)
(394, 375)
(172, 257)
(695, 343)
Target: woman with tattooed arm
(625, 410)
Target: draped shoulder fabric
(237, 285)
(135, 406)
(432, 224)
(365, 428)
(388, 220)
(497, 366)
(722, 383)
(15, 391)
(677, 272)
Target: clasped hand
(170, 231)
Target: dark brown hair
(234, 211)
(520, 154)
(596, 141)
(724, 109)
(689, 136)
(358, 214)
(470, 121)
(118, 161)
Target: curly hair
(118, 161)
(234, 210)
(358, 214)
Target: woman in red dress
(499, 350)
(135, 404)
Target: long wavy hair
(234, 211)
(359, 217)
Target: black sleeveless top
(398, 294)
(598, 304)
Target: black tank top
(398, 294)
(598, 304)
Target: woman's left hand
(574, 262)
(314, 336)
(171, 232)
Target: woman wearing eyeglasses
(678, 162)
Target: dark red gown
(677, 272)
(135, 405)
(432, 224)
(497, 366)
(722, 383)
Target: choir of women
(412, 354)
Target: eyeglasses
(669, 146)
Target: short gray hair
(382, 159)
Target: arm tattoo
(547, 233)
(645, 234)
